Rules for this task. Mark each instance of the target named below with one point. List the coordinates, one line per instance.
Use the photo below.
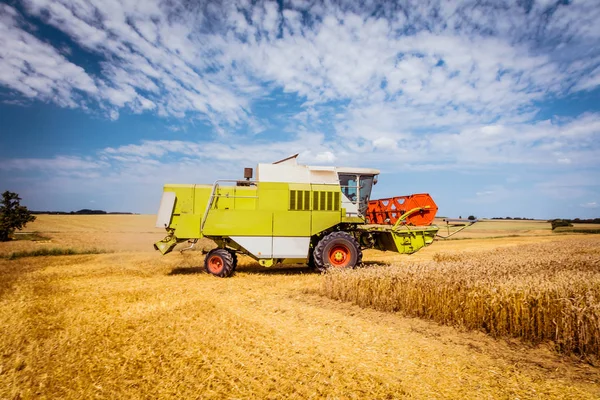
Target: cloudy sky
(493, 107)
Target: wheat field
(537, 292)
(129, 323)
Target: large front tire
(337, 250)
(219, 262)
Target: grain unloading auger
(293, 213)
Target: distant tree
(556, 223)
(471, 218)
(12, 215)
(87, 211)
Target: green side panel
(326, 198)
(322, 220)
(291, 223)
(188, 226)
(224, 199)
(273, 196)
(190, 198)
(184, 202)
(174, 221)
(299, 186)
(326, 188)
(245, 197)
(351, 220)
(186, 218)
(238, 223)
(202, 194)
(405, 241)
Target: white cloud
(325, 157)
(469, 64)
(150, 63)
(412, 86)
(492, 194)
(589, 82)
(35, 68)
(58, 163)
(591, 204)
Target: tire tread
(319, 262)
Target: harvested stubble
(537, 292)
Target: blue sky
(492, 107)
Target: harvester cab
(294, 213)
(356, 185)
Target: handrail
(212, 199)
(208, 206)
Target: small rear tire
(311, 260)
(219, 262)
(235, 260)
(337, 250)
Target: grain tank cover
(292, 172)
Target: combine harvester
(293, 213)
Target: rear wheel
(219, 262)
(311, 260)
(337, 250)
(235, 259)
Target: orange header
(387, 211)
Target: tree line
(84, 211)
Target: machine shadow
(296, 270)
(252, 269)
(374, 263)
(256, 269)
(186, 271)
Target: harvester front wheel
(219, 262)
(337, 250)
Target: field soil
(131, 323)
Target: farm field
(130, 323)
(487, 228)
(538, 292)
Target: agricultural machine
(294, 213)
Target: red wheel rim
(339, 256)
(215, 264)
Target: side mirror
(375, 179)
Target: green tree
(556, 223)
(12, 215)
(471, 218)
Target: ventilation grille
(321, 201)
(299, 200)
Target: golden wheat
(537, 292)
(133, 324)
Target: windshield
(366, 184)
(357, 188)
(349, 187)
